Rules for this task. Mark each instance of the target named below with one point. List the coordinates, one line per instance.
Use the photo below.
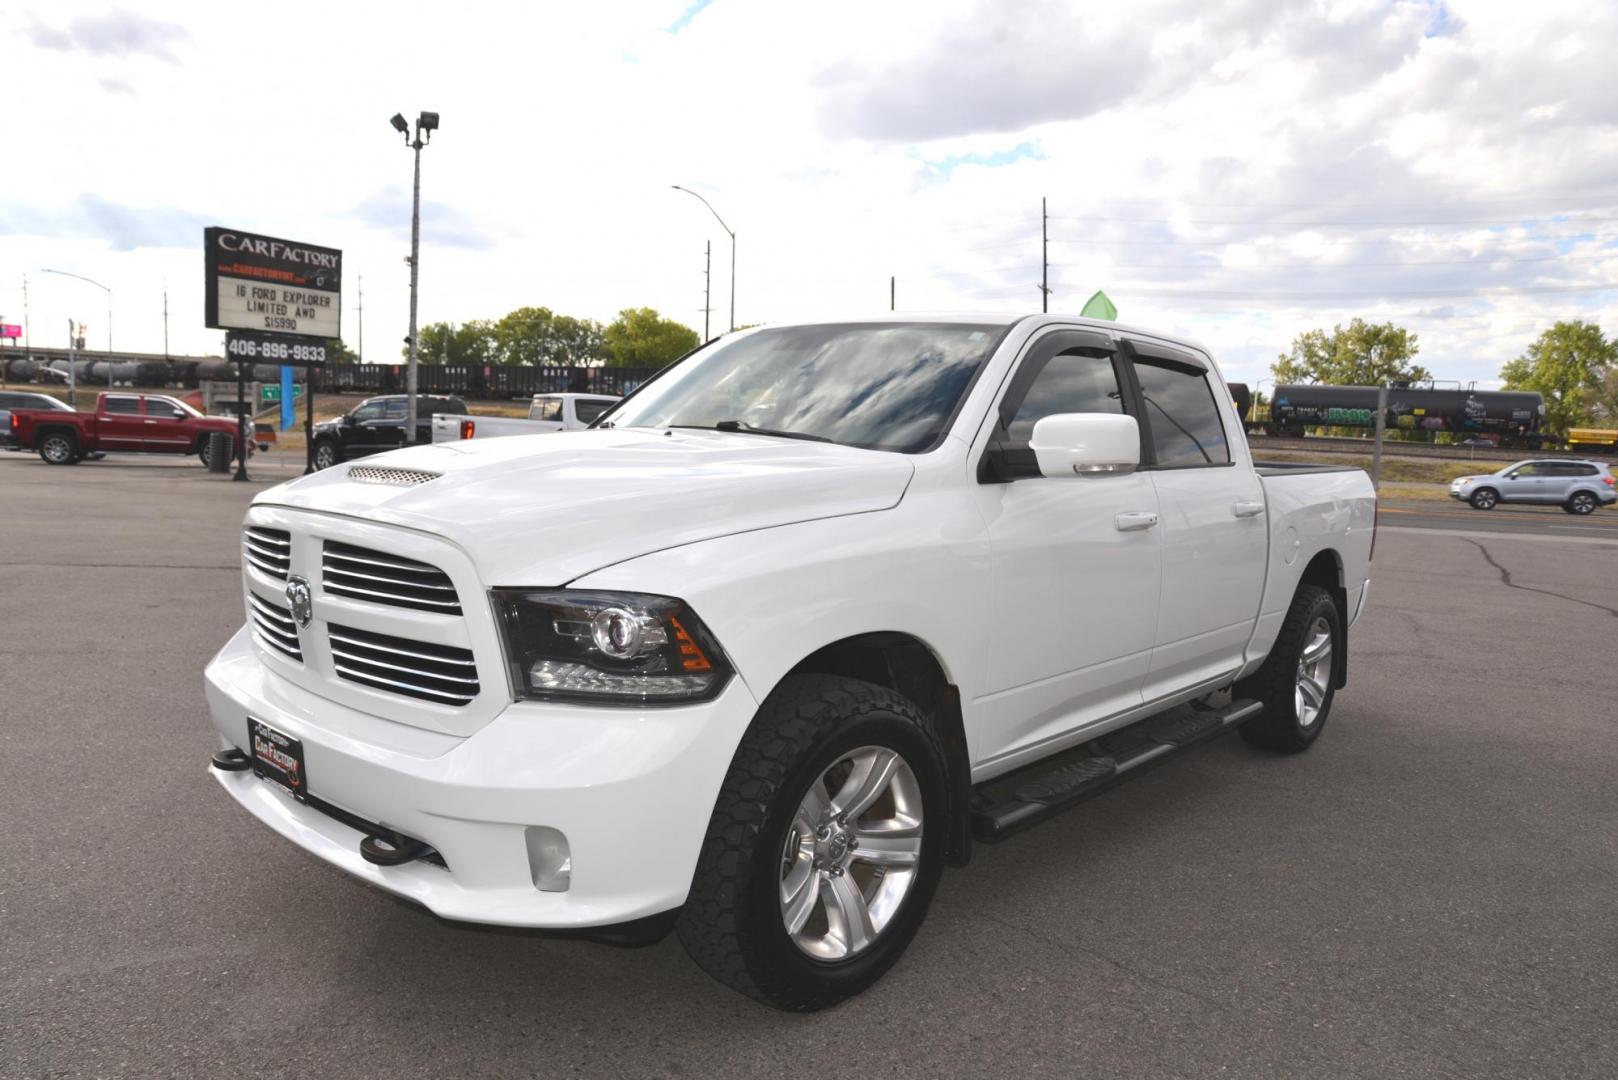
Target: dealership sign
(261, 283)
(10, 330)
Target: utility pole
(1381, 425)
(731, 232)
(72, 365)
(707, 286)
(165, 322)
(362, 318)
(893, 293)
(1044, 258)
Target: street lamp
(732, 234)
(426, 124)
(103, 288)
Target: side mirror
(1086, 444)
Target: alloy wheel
(58, 448)
(1314, 673)
(851, 853)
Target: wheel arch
(907, 665)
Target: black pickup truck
(378, 424)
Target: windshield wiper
(744, 426)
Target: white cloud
(1239, 172)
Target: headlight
(622, 648)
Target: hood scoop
(380, 474)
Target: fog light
(549, 860)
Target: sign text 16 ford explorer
(791, 628)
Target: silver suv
(1576, 486)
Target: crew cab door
(1075, 561)
(119, 423)
(166, 427)
(378, 426)
(1214, 526)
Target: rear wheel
(1298, 680)
(59, 448)
(1485, 498)
(1581, 503)
(825, 845)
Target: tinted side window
(587, 411)
(394, 409)
(124, 405)
(1076, 381)
(156, 407)
(549, 409)
(1182, 414)
(371, 410)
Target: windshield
(885, 386)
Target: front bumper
(631, 789)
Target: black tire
(732, 923)
(1485, 499)
(1280, 727)
(1581, 503)
(327, 454)
(59, 448)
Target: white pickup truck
(546, 413)
(800, 621)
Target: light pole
(103, 288)
(732, 235)
(426, 124)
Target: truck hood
(541, 510)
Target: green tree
(1360, 354)
(471, 343)
(640, 337)
(339, 353)
(1569, 364)
(539, 336)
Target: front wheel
(1581, 503)
(824, 848)
(1298, 679)
(325, 454)
(1485, 498)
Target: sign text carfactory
(262, 283)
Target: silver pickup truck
(547, 412)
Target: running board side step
(1011, 803)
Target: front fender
(773, 597)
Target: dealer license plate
(278, 758)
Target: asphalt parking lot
(1431, 891)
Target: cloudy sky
(1236, 172)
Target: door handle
(1247, 508)
(1135, 521)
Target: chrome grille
(440, 673)
(273, 626)
(364, 574)
(379, 474)
(268, 550)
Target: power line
(1556, 219)
(1482, 261)
(1543, 238)
(1486, 293)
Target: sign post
(245, 347)
(274, 296)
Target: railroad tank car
(1511, 417)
